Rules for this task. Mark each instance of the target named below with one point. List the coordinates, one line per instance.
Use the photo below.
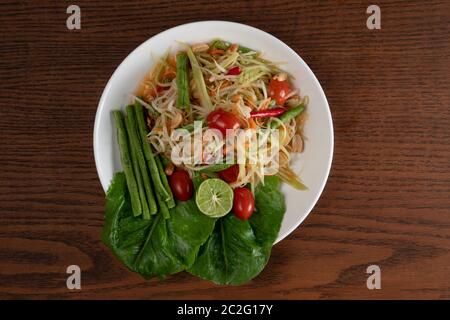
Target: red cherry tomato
(230, 174)
(243, 203)
(181, 185)
(278, 90)
(222, 120)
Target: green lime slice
(214, 198)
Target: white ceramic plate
(313, 164)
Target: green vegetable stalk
(222, 45)
(126, 163)
(136, 147)
(162, 173)
(288, 115)
(149, 156)
(138, 174)
(163, 206)
(183, 83)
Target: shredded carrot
(217, 51)
(236, 110)
(236, 98)
(251, 123)
(265, 104)
(172, 60)
(233, 47)
(250, 103)
(169, 74)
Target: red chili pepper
(234, 71)
(267, 113)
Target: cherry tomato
(278, 90)
(181, 185)
(243, 203)
(222, 120)
(230, 174)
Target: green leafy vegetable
(156, 247)
(231, 255)
(266, 221)
(237, 251)
(225, 251)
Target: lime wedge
(214, 198)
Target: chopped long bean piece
(183, 83)
(288, 115)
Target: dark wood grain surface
(387, 201)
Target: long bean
(136, 145)
(222, 45)
(183, 82)
(288, 115)
(126, 163)
(171, 201)
(149, 156)
(163, 207)
(138, 175)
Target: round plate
(313, 164)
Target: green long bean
(149, 156)
(222, 45)
(126, 163)
(138, 175)
(163, 206)
(288, 115)
(165, 181)
(183, 82)
(136, 147)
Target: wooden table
(387, 201)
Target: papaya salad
(209, 213)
